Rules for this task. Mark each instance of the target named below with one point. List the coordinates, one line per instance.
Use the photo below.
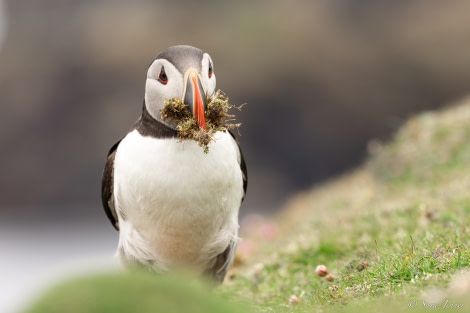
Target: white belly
(176, 205)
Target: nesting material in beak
(215, 117)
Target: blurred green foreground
(133, 291)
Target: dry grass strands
(216, 116)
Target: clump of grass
(216, 116)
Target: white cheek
(152, 92)
(208, 84)
(174, 88)
(211, 85)
(156, 93)
(153, 98)
(213, 82)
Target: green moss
(216, 116)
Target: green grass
(387, 264)
(389, 232)
(394, 234)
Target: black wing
(107, 197)
(222, 263)
(242, 165)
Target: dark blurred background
(321, 79)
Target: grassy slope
(406, 213)
(393, 234)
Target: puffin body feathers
(173, 204)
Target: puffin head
(182, 72)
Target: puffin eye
(210, 70)
(162, 78)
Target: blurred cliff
(321, 79)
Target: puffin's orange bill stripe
(198, 104)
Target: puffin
(175, 205)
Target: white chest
(175, 203)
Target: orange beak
(194, 97)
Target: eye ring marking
(210, 70)
(162, 78)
